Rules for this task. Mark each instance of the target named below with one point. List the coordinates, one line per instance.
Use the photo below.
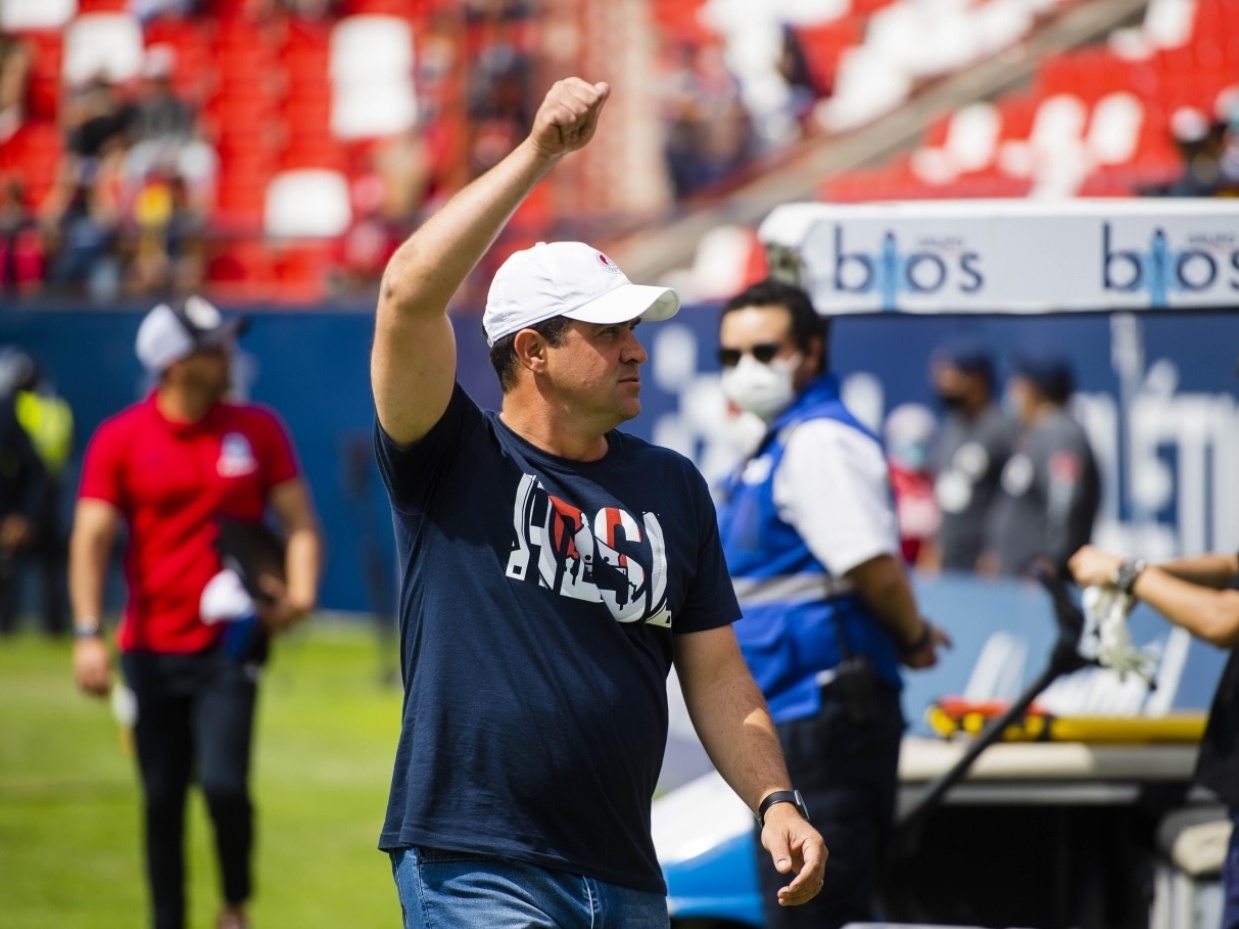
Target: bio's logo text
(934, 266)
(1205, 262)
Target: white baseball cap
(568, 279)
(168, 334)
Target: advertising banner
(1009, 256)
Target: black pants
(47, 555)
(848, 775)
(195, 718)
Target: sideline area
(69, 817)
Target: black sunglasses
(764, 353)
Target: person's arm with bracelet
(95, 524)
(1186, 591)
(730, 716)
(883, 584)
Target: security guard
(1050, 489)
(809, 531)
(970, 452)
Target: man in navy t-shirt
(552, 572)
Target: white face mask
(764, 389)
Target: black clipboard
(254, 551)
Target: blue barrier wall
(312, 367)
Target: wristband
(922, 640)
(782, 796)
(86, 629)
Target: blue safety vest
(794, 609)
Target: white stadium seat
(371, 70)
(102, 44)
(1114, 131)
(23, 15)
(309, 203)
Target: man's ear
(816, 344)
(530, 348)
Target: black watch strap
(782, 796)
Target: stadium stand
(116, 192)
(1102, 120)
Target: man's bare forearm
(434, 261)
(739, 736)
(302, 566)
(1216, 570)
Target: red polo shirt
(170, 481)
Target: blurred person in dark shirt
(24, 484)
(969, 453)
(1050, 489)
(21, 242)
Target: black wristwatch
(1127, 572)
(782, 796)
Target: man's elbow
(878, 578)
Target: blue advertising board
(1157, 393)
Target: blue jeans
(460, 890)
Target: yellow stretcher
(952, 716)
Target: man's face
(594, 372)
(765, 333)
(208, 371)
(1022, 396)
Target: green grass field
(70, 854)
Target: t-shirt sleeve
(279, 459)
(833, 486)
(711, 600)
(103, 467)
(411, 473)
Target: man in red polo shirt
(177, 469)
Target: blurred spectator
(168, 253)
(83, 222)
(1200, 144)
(707, 128)
(164, 131)
(793, 67)
(1228, 157)
(1050, 489)
(21, 242)
(970, 452)
(96, 121)
(24, 484)
(908, 435)
(370, 240)
(311, 9)
(47, 420)
(14, 79)
(499, 93)
(152, 9)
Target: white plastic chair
(371, 68)
(22, 15)
(1168, 23)
(108, 44)
(1114, 131)
(309, 203)
(364, 47)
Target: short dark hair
(1049, 375)
(807, 323)
(503, 352)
